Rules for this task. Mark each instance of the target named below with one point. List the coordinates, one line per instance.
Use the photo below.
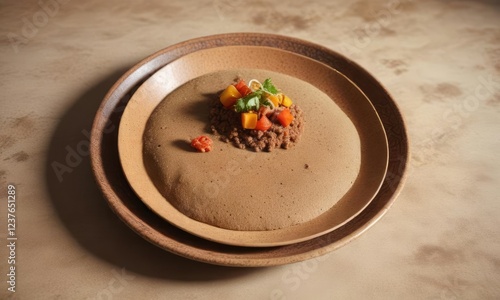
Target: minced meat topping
(256, 116)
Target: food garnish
(249, 99)
(202, 143)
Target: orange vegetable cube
(229, 96)
(285, 117)
(249, 120)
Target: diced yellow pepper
(274, 99)
(287, 102)
(229, 96)
(248, 120)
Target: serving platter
(126, 204)
(344, 144)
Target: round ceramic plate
(344, 146)
(132, 211)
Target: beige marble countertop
(439, 59)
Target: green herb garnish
(268, 87)
(254, 100)
(249, 102)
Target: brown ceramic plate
(344, 145)
(126, 204)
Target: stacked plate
(361, 169)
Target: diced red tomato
(242, 87)
(202, 143)
(263, 123)
(264, 110)
(285, 117)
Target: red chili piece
(202, 143)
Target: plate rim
(323, 244)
